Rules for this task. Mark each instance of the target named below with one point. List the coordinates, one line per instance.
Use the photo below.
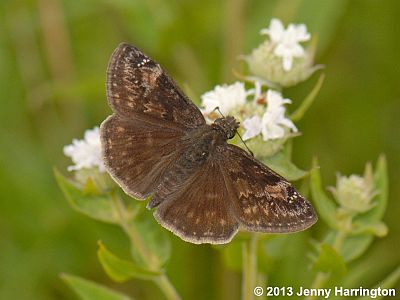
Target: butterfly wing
(137, 87)
(262, 200)
(137, 154)
(141, 140)
(198, 211)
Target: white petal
(288, 123)
(301, 33)
(297, 50)
(275, 30)
(272, 131)
(273, 120)
(226, 97)
(252, 126)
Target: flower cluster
(225, 97)
(286, 43)
(355, 193)
(86, 153)
(281, 60)
(264, 115)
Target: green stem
(162, 281)
(249, 267)
(133, 234)
(166, 286)
(321, 278)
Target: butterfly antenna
(248, 149)
(217, 108)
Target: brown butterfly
(158, 143)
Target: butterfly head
(228, 125)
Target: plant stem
(321, 278)
(133, 234)
(167, 288)
(162, 281)
(249, 267)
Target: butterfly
(157, 143)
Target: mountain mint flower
(252, 126)
(287, 42)
(280, 61)
(274, 121)
(354, 193)
(273, 124)
(226, 97)
(86, 153)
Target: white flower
(273, 120)
(355, 192)
(287, 41)
(86, 153)
(252, 126)
(226, 97)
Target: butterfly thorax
(228, 126)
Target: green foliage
(329, 261)
(88, 199)
(121, 270)
(88, 290)
(282, 163)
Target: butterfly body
(158, 144)
(200, 144)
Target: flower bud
(354, 193)
(264, 64)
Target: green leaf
(298, 114)
(87, 199)
(325, 206)
(89, 290)
(329, 261)
(122, 270)
(389, 282)
(352, 246)
(153, 238)
(281, 164)
(379, 229)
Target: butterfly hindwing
(262, 200)
(199, 210)
(137, 87)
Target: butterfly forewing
(137, 87)
(262, 200)
(137, 153)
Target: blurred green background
(53, 58)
